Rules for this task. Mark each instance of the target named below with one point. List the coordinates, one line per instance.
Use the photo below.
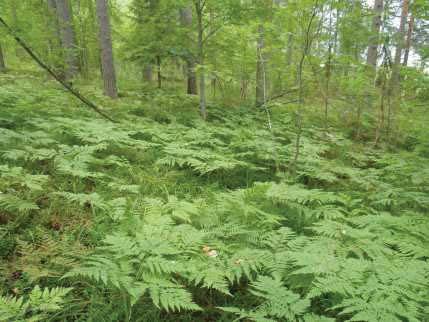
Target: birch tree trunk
(374, 39)
(106, 50)
(68, 38)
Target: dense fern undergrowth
(164, 217)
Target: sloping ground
(166, 218)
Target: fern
(192, 215)
(45, 258)
(12, 308)
(278, 302)
(12, 204)
(36, 308)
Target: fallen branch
(53, 74)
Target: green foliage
(36, 307)
(192, 221)
(279, 302)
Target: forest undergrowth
(165, 217)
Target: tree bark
(2, 62)
(55, 39)
(147, 73)
(289, 50)
(199, 6)
(260, 68)
(394, 86)
(52, 7)
(328, 70)
(106, 50)
(409, 40)
(186, 21)
(374, 39)
(159, 72)
(308, 41)
(192, 78)
(15, 23)
(148, 68)
(68, 38)
(395, 78)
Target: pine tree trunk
(105, 40)
(376, 25)
(2, 63)
(68, 38)
(409, 40)
(260, 69)
(186, 21)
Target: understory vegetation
(214, 160)
(165, 217)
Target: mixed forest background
(214, 160)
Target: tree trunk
(308, 41)
(199, 5)
(105, 40)
(409, 40)
(328, 70)
(289, 50)
(374, 39)
(147, 73)
(55, 39)
(260, 69)
(395, 78)
(53, 15)
(68, 38)
(158, 68)
(16, 24)
(192, 77)
(186, 21)
(148, 68)
(2, 63)
(394, 86)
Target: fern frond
(13, 203)
(279, 301)
(12, 308)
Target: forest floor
(210, 207)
